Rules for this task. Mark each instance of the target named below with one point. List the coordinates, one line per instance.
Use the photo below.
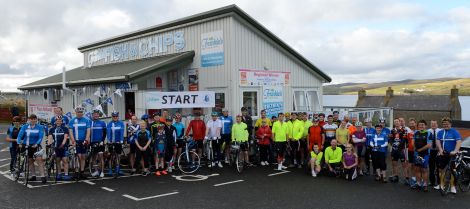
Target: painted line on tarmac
(278, 173)
(230, 182)
(5, 149)
(88, 182)
(108, 189)
(53, 184)
(1, 160)
(1, 166)
(4, 172)
(151, 197)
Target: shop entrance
(129, 101)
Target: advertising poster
(273, 100)
(43, 111)
(193, 80)
(212, 49)
(263, 78)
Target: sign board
(43, 111)
(273, 100)
(193, 80)
(185, 99)
(263, 78)
(212, 49)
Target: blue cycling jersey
(98, 131)
(179, 130)
(227, 123)
(132, 130)
(31, 135)
(370, 133)
(65, 120)
(115, 131)
(387, 131)
(13, 134)
(448, 139)
(379, 142)
(79, 128)
(58, 134)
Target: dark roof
(205, 15)
(412, 102)
(119, 72)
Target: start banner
(181, 99)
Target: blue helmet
(115, 114)
(144, 117)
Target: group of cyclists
(324, 144)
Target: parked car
(466, 147)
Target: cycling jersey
(342, 135)
(289, 128)
(318, 157)
(433, 137)
(213, 126)
(227, 123)
(98, 131)
(410, 140)
(143, 137)
(448, 139)
(58, 134)
(359, 137)
(179, 130)
(370, 133)
(170, 133)
(398, 139)
(30, 135)
(115, 131)
(198, 127)
(330, 132)
(307, 125)
(154, 128)
(333, 156)
(13, 132)
(65, 120)
(352, 129)
(297, 130)
(160, 144)
(315, 136)
(337, 122)
(260, 120)
(421, 139)
(386, 131)
(132, 132)
(280, 131)
(79, 128)
(379, 142)
(240, 132)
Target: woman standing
(263, 134)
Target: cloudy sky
(351, 40)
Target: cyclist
(160, 148)
(30, 136)
(342, 135)
(297, 133)
(227, 123)
(358, 140)
(433, 173)
(261, 119)
(410, 152)
(154, 125)
(179, 127)
(315, 134)
(170, 132)
(379, 150)
(370, 133)
(79, 132)
(240, 134)
(448, 146)
(145, 118)
(333, 157)
(304, 148)
(12, 136)
(59, 112)
(280, 135)
(246, 118)
(263, 134)
(330, 132)
(322, 122)
(213, 128)
(350, 162)
(421, 144)
(316, 156)
(198, 127)
(59, 136)
(98, 136)
(351, 126)
(399, 142)
(336, 119)
(142, 143)
(115, 136)
(132, 128)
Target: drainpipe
(65, 88)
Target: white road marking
(1, 166)
(146, 198)
(230, 182)
(5, 149)
(1, 160)
(88, 182)
(4, 172)
(107, 189)
(193, 177)
(278, 173)
(45, 185)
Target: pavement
(256, 187)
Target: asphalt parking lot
(256, 187)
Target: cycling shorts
(115, 148)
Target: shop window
(300, 101)
(250, 101)
(219, 102)
(306, 100)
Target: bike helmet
(382, 120)
(358, 123)
(80, 109)
(214, 114)
(115, 114)
(96, 111)
(144, 117)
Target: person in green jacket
(333, 157)
(297, 134)
(240, 135)
(280, 136)
(316, 156)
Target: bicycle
(92, 158)
(22, 165)
(186, 164)
(50, 162)
(460, 170)
(237, 157)
(210, 152)
(113, 157)
(74, 163)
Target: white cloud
(109, 19)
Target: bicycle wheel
(90, 162)
(239, 161)
(20, 163)
(464, 179)
(447, 178)
(26, 171)
(186, 164)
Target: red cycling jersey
(199, 129)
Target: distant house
(427, 107)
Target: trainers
(101, 174)
(58, 177)
(279, 167)
(132, 171)
(164, 172)
(95, 174)
(437, 187)
(266, 163)
(262, 163)
(453, 190)
(145, 173)
(226, 161)
(314, 174)
(33, 178)
(220, 165)
(43, 179)
(158, 173)
(283, 167)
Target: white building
(223, 51)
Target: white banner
(43, 111)
(263, 78)
(182, 99)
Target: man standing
(330, 132)
(433, 172)
(246, 118)
(98, 136)
(280, 135)
(315, 135)
(261, 119)
(448, 146)
(213, 128)
(227, 123)
(170, 132)
(79, 132)
(297, 134)
(198, 128)
(115, 135)
(59, 112)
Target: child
(160, 147)
(12, 135)
(58, 135)
(315, 160)
(350, 161)
(142, 143)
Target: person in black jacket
(170, 132)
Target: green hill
(439, 86)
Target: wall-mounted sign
(185, 99)
(272, 100)
(263, 78)
(147, 46)
(43, 111)
(212, 49)
(193, 80)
